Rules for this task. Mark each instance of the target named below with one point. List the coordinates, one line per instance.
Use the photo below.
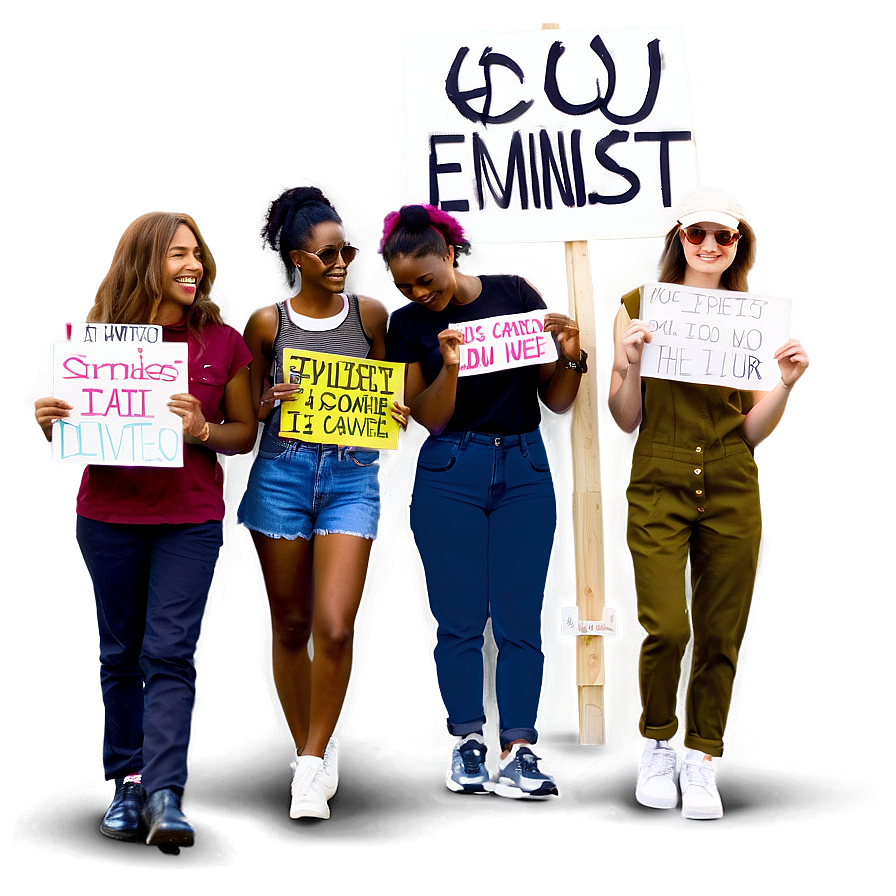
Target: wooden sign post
(587, 513)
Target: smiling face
(181, 275)
(430, 281)
(707, 262)
(316, 273)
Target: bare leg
(286, 565)
(340, 568)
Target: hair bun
(415, 218)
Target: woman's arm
(236, 434)
(433, 406)
(374, 318)
(629, 337)
(559, 384)
(766, 414)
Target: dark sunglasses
(330, 255)
(696, 235)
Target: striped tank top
(342, 334)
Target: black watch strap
(580, 366)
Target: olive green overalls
(694, 490)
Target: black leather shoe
(123, 820)
(166, 825)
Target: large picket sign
(342, 400)
(550, 135)
(716, 337)
(119, 380)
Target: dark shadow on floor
(383, 802)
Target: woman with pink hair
(483, 494)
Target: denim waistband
(491, 439)
(341, 451)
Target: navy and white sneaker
(519, 778)
(468, 773)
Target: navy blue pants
(483, 516)
(151, 583)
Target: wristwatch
(580, 366)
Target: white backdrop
(114, 108)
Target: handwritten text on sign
(342, 401)
(500, 343)
(716, 337)
(116, 333)
(550, 135)
(120, 393)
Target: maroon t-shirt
(193, 493)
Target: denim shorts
(304, 489)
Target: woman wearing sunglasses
(150, 537)
(483, 495)
(312, 509)
(694, 494)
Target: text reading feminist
(550, 135)
(341, 400)
(715, 337)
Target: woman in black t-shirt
(483, 495)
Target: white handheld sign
(119, 391)
(716, 337)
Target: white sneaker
(309, 799)
(329, 773)
(656, 778)
(699, 794)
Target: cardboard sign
(550, 135)
(720, 338)
(503, 342)
(343, 400)
(119, 386)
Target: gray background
(113, 110)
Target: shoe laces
(472, 758)
(528, 761)
(699, 773)
(661, 762)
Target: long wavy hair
(673, 264)
(132, 290)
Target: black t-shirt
(504, 402)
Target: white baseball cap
(708, 204)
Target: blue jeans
(300, 489)
(151, 583)
(483, 516)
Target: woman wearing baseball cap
(694, 494)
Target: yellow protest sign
(342, 400)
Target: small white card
(570, 624)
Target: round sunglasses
(330, 254)
(695, 235)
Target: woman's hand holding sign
(567, 332)
(449, 343)
(272, 394)
(792, 361)
(636, 334)
(189, 409)
(47, 411)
